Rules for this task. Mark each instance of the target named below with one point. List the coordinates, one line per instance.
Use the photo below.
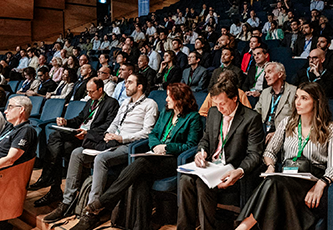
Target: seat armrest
(140, 146)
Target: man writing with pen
(94, 119)
(233, 135)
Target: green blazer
(280, 35)
(184, 135)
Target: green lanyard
(257, 76)
(301, 145)
(166, 74)
(223, 140)
(168, 129)
(117, 73)
(94, 110)
(144, 70)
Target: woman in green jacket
(178, 129)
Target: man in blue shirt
(120, 92)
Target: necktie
(226, 122)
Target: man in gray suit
(275, 102)
(195, 76)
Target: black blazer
(245, 139)
(286, 42)
(250, 80)
(182, 60)
(150, 75)
(300, 42)
(175, 75)
(107, 111)
(80, 92)
(46, 87)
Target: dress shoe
(41, 183)
(87, 221)
(49, 198)
(56, 214)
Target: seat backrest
(36, 105)
(159, 97)
(74, 108)
(13, 184)
(200, 98)
(52, 109)
(13, 85)
(10, 96)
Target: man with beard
(305, 43)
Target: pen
(203, 154)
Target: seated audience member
(169, 72)
(147, 72)
(164, 44)
(185, 132)
(287, 24)
(180, 20)
(60, 39)
(245, 34)
(303, 201)
(18, 139)
(56, 70)
(104, 60)
(125, 71)
(305, 43)
(134, 53)
(236, 27)
(2, 77)
(182, 61)
(104, 73)
(211, 35)
(104, 47)
(325, 27)
(226, 75)
(154, 57)
(57, 49)
(16, 73)
(46, 84)
(96, 44)
(190, 36)
(84, 59)
(137, 34)
(79, 89)
(202, 47)
(318, 5)
(233, 10)
(236, 124)
(114, 41)
(33, 59)
(290, 39)
(317, 73)
(30, 82)
(255, 81)
(115, 29)
(283, 17)
(11, 60)
(65, 86)
(77, 51)
(106, 109)
(120, 134)
(195, 76)
(41, 62)
(72, 63)
(253, 21)
(275, 102)
(150, 29)
(63, 56)
(267, 24)
(324, 43)
(121, 58)
(226, 59)
(278, 10)
(274, 33)
(248, 58)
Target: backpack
(83, 196)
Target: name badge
(84, 127)
(217, 162)
(290, 170)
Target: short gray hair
(25, 102)
(279, 67)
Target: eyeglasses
(313, 58)
(39, 75)
(101, 72)
(10, 107)
(91, 91)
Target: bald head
(104, 73)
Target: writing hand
(200, 160)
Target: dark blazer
(175, 75)
(328, 63)
(199, 78)
(250, 80)
(107, 111)
(81, 90)
(326, 81)
(286, 42)
(182, 61)
(46, 87)
(245, 140)
(150, 75)
(300, 42)
(219, 70)
(206, 59)
(212, 37)
(184, 135)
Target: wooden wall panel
(14, 32)
(83, 2)
(76, 15)
(17, 9)
(46, 23)
(54, 4)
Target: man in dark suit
(147, 72)
(46, 85)
(79, 90)
(290, 38)
(305, 43)
(94, 119)
(195, 76)
(181, 57)
(324, 43)
(240, 143)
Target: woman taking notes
(306, 140)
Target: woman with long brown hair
(306, 139)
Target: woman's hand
(163, 65)
(270, 169)
(159, 149)
(312, 198)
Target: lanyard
(167, 74)
(117, 73)
(168, 129)
(317, 79)
(257, 76)
(307, 44)
(131, 109)
(6, 134)
(273, 106)
(144, 70)
(301, 145)
(41, 84)
(92, 111)
(224, 140)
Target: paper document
(65, 129)
(306, 176)
(211, 175)
(94, 152)
(150, 154)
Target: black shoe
(56, 214)
(41, 183)
(87, 221)
(49, 198)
